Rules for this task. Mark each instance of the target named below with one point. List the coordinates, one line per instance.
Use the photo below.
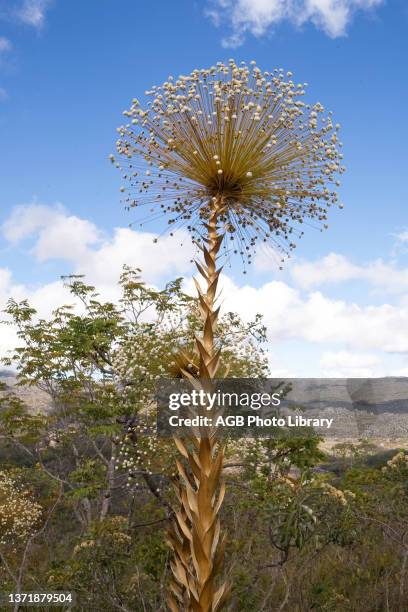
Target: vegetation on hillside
(85, 498)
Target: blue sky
(68, 69)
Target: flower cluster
(84, 545)
(398, 464)
(19, 513)
(238, 135)
(105, 539)
(139, 359)
(337, 494)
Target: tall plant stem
(195, 534)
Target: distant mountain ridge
(36, 400)
(379, 404)
(7, 373)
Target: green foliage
(307, 530)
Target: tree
(99, 363)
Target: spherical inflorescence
(236, 136)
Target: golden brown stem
(195, 535)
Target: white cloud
(344, 364)
(258, 16)
(3, 94)
(324, 337)
(335, 268)
(170, 256)
(5, 278)
(44, 299)
(268, 259)
(33, 12)
(320, 320)
(5, 44)
(402, 236)
(25, 220)
(58, 235)
(401, 244)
